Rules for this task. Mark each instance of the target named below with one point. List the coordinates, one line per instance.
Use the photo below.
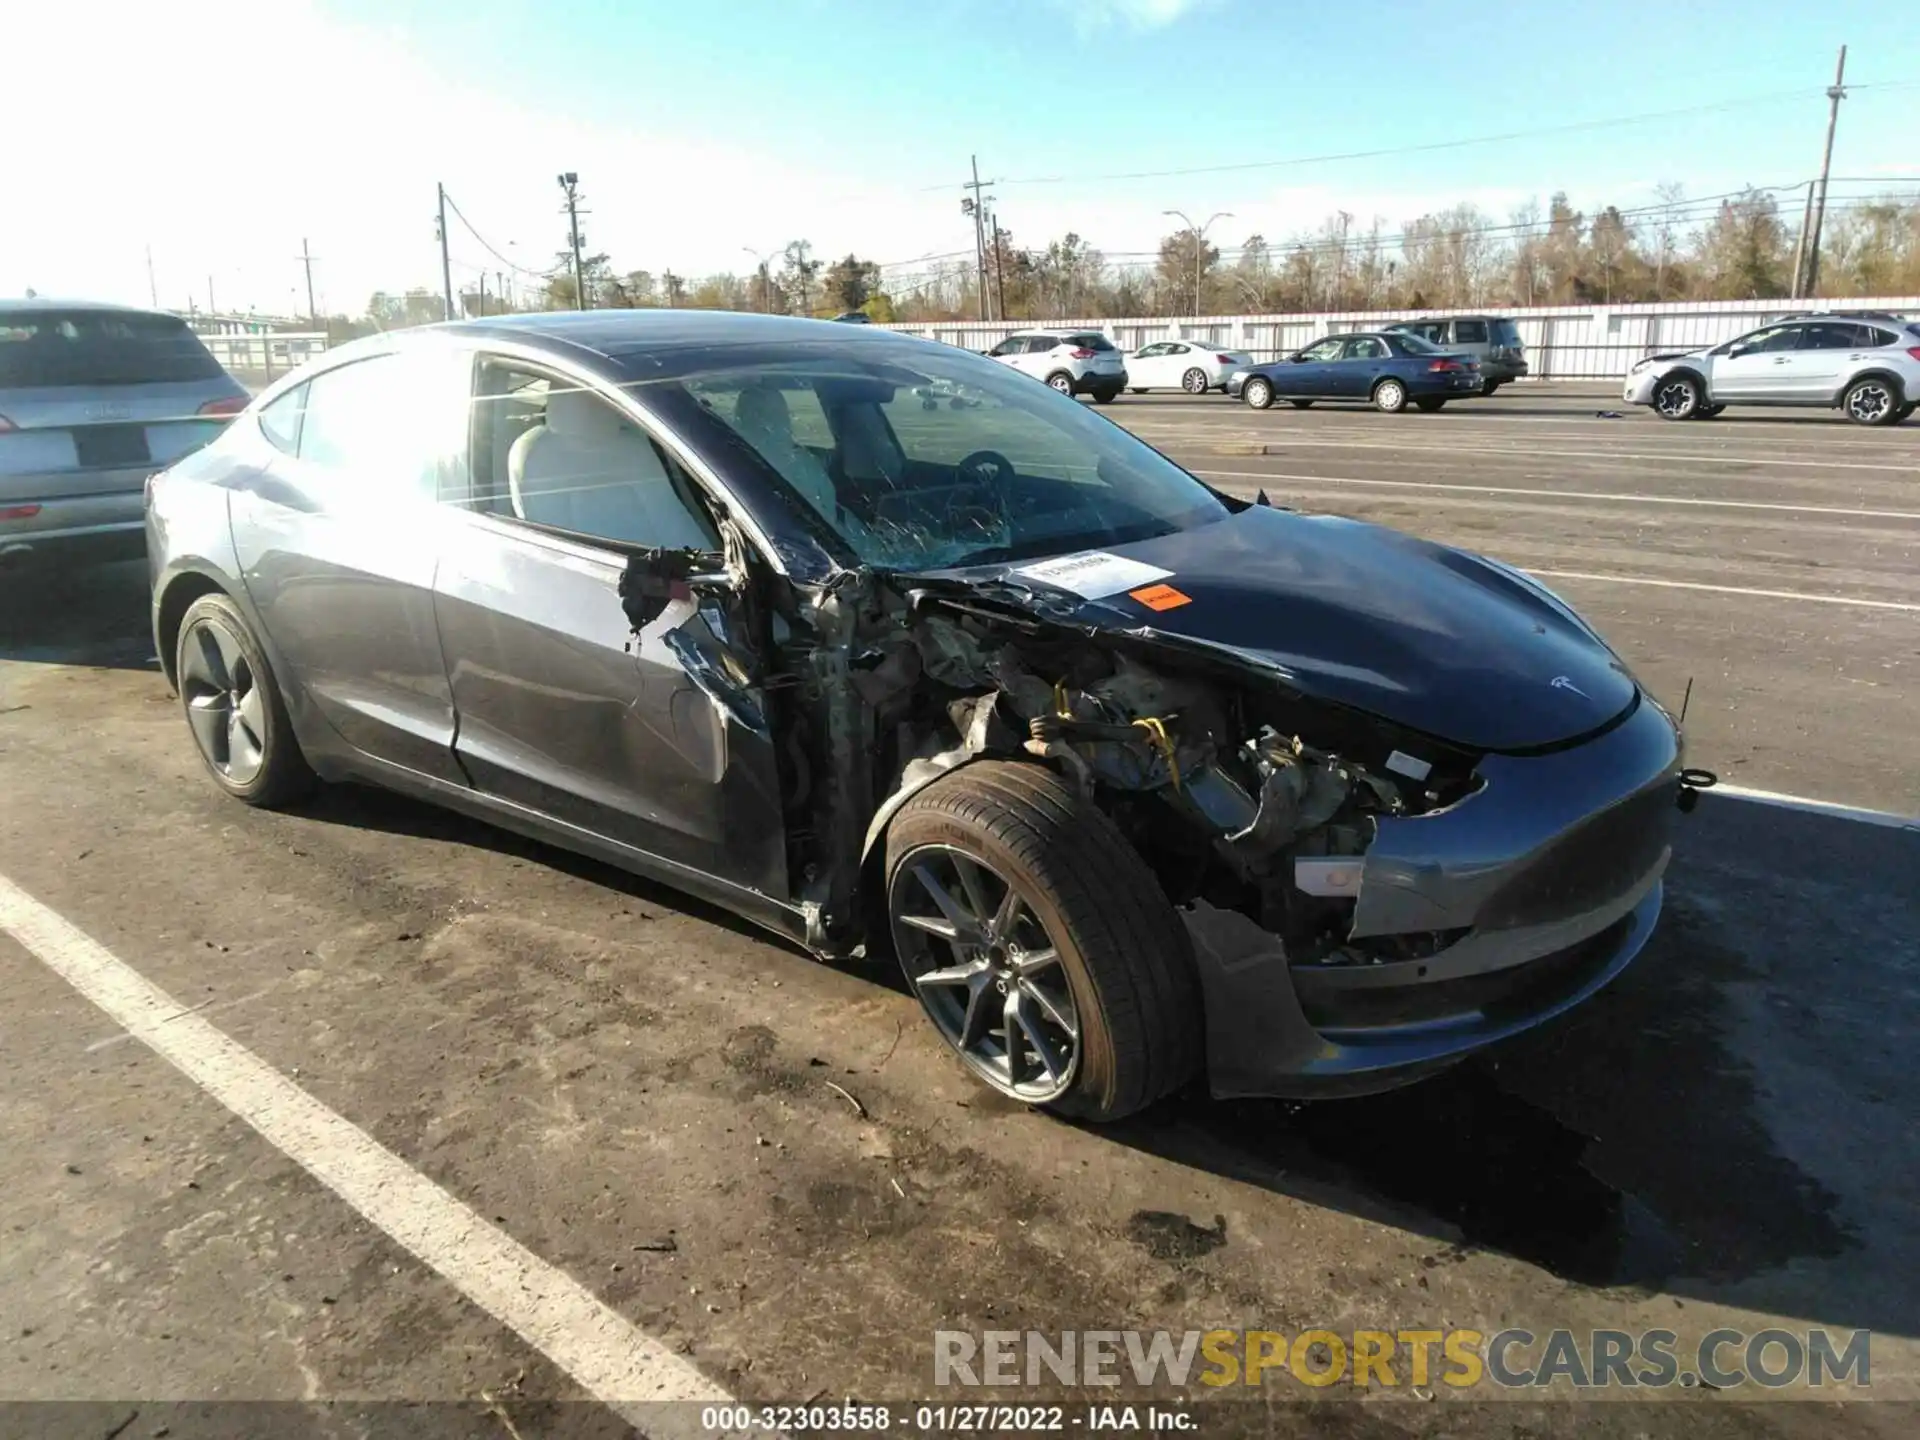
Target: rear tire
(1060, 380)
(1136, 389)
(1430, 403)
(1037, 851)
(1390, 397)
(1487, 387)
(1257, 393)
(234, 709)
(1301, 404)
(1105, 397)
(1872, 401)
(1194, 382)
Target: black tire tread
(1133, 946)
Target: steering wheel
(987, 468)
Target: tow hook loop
(1692, 782)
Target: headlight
(1646, 364)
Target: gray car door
(335, 535)
(658, 740)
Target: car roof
(42, 304)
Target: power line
(1572, 127)
(510, 264)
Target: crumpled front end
(1365, 903)
(1469, 923)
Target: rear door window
(1505, 332)
(1090, 341)
(392, 428)
(1366, 348)
(1469, 332)
(99, 347)
(280, 420)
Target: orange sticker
(1160, 597)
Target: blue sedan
(1388, 369)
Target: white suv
(1074, 362)
(1867, 365)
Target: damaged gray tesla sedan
(888, 648)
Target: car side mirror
(1734, 352)
(656, 578)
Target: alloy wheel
(1869, 403)
(1675, 399)
(1062, 383)
(986, 971)
(226, 709)
(1195, 380)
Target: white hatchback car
(1190, 365)
(1865, 365)
(1074, 362)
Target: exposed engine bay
(1233, 789)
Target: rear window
(1505, 332)
(1414, 344)
(1470, 332)
(1092, 340)
(99, 347)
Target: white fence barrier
(263, 357)
(1564, 342)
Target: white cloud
(1136, 14)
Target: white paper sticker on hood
(1093, 573)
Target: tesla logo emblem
(1565, 682)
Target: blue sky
(700, 129)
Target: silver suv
(1493, 340)
(1865, 364)
(1074, 362)
(93, 400)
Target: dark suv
(1493, 340)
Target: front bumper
(1638, 386)
(1549, 878)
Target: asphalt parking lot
(637, 1145)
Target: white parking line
(609, 1357)
(1636, 498)
(1529, 452)
(1888, 819)
(1723, 589)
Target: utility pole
(1800, 246)
(570, 184)
(212, 309)
(1835, 94)
(975, 206)
(153, 290)
(500, 288)
(446, 262)
(306, 259)
(483, 294)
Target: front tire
(1390, 397)
(1872, 401)
(1040, 944)
(1257, 393)
(1677, 397)
(1060, 380)
(234, 709)
(1194, 382)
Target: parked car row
(1424, 363)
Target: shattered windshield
(948, 460)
